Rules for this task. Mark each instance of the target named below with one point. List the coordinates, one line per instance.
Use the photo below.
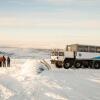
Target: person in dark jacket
(4, 61)
(0, 64)
(8, 61)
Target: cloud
(54, 2)
(49, 23)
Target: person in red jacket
(4, 61)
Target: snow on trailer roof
(83, 45)
(84, 48)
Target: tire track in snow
(15, 87)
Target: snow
(29, 79)
(25, 53)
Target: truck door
(61, 56)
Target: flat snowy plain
(29, 79)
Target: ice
(29, 79)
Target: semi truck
(77, 56)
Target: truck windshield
(54, 53)
(61, 53)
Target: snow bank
(31, 80)
(31, 68)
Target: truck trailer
(77, 55)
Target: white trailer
(77, 56)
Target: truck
(77, 56)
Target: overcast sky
(49, 23)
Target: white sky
(49, 23)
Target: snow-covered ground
(25, 53)
(29, 79)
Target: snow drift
(31, 80)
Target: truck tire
(78, 64)
(67, 64)
(85, 64)
(97, 65)
(90, 64)
(58, 65)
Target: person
(0, 64)
(4, 61)
(8, 61)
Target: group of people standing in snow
(4, 61)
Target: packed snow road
(31, 80)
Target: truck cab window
(61, 53)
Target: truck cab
(57, 57)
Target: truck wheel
(67, 64)
(58, 65)
(78, 65)
(85, 64)
(97, 65)
(90, 64)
